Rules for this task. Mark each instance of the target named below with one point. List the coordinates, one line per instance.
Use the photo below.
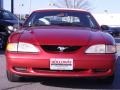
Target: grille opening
(74, 70)
(59, 48)
(48, 69)
(20, 69)
(100, 70)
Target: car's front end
(64, 59)
(55, 51)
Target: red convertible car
(61, 43)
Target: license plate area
(61, 64)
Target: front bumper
(85, 65)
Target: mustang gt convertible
(61, 43)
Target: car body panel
(69, 35)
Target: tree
(79, 4)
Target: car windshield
(61, 18)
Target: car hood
(60, 36)
(9, 22)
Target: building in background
(110, 19)
(1, 3)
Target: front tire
(110, 79)
(13, 77)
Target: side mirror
(26, 16)
(104, 27)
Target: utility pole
(1, 4)
(12, 6)
(74, 3)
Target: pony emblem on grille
(62, 48)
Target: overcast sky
(27, 6)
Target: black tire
(13, 77)
(107, 80)
(110, 79)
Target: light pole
(106, 11)
(30, 7)
(12, 6)
(1, 4)
(55, 5)
(74, 4)
(21, 7)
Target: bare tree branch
(67, 5)
(80, 4)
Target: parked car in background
(8, 24)
(61, 43)
(114, 31)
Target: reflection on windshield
(61, 18)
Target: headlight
(101, 48)
(12, 28)
(22, 47)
